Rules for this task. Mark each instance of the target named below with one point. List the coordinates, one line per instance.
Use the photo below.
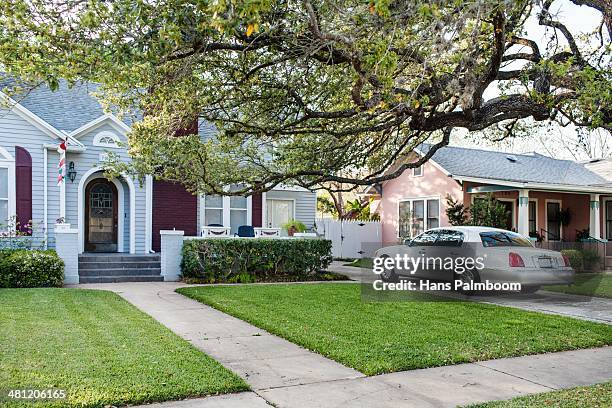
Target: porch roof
(492, 185)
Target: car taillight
(515, 260)
(566, 260)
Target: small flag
(61, 166)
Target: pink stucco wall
(433, 183)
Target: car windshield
(503, 239)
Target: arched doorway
(101, 216)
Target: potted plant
(293, 226)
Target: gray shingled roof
(69, 108)
(533, 167)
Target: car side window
(450, 238)
(503, 239)
(427, 238)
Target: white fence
(351, 239)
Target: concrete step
(119, 265)
(120, 278)
(120, 272)
(119, 258)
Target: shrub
(575, 258)
(28, 269)
(591, 260)
(249, 260)
(583, 259)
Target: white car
(505, 256)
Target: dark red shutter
(23, 187)
(256, 210)
(191, 129)
(173, 208)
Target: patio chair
(245, 231)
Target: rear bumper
(530, 276)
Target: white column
(594, 224)
(264, 210)
(523, 212)
(171, 254)
(67, 248)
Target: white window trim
(97, 141)
(425, 212)
(422, 167)
(8, 161)
(225, 210)
(549, 200)
(537, 220)
(265, 209)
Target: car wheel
(529, 289)
(388, 275)
(468, 276)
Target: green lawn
(100, 349)
(593, 396)
(393, 336)
(589, 284)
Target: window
(106, 139)
(450, 238)
(433, 214)
(533, 227)
(609, 220)
(503, 239)
(416, 215)
(7, 188)
(232, 211)
(238, 213)
(417, 171)
(4, 196)
(404, 219)
(553, 221)
(213, 210)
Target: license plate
(545, 262)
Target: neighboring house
(121, 215)
(533, 187)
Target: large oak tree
(312, 92)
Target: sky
(557, 141)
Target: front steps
(108, 268)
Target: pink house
(539, 193)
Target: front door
(101, 216)
(279, 212)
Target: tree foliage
(310, 92)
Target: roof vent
(511, 158)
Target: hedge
(28, 269)
(583, 260)
(236, 260)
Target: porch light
(71, 172)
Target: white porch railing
(215, 231)
(262, 232)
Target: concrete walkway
(286, 375)
(580, 307)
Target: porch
(555, 215)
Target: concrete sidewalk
(287, 375)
